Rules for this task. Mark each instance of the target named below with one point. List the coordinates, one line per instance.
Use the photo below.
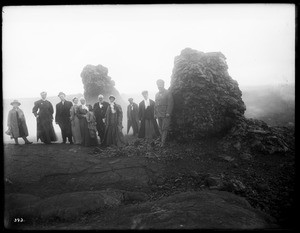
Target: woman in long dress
(75, 124)
(113, 121)
(149, 128)
(16, 123)
(82, 113)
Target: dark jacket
(62, 114)
(147, 114)
(133, 117)
(100, 112)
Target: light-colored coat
(12, 122)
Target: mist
(45, 48)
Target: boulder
(207, 101)
(96, 81)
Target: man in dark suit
(133, 117)
(62, 117)
(99, 112)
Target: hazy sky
(46, 47)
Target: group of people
(81, 123)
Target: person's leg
(160, 122)
(63, 133)
(26, 140)
(70, 133)
(165, 129)
(16, 141)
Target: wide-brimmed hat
(61, 93)
(111, 96)
(15, 102)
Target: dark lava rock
(207, 100)
(96, 81)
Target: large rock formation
(96, 81)
(207, 100)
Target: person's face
(15, 105)
(130, 101)
(145, 96)
(82, 101)
(160, 85)
(75, 101)
(62, 97)
(44, 95)
(111, 100)
(100, 99)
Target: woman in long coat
(43, 111)
(113, 121)
(149, 128)
(82, 114)
(16, 123)
(75, 125)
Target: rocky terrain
(220, 170)
(142, 186)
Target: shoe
(28, 142)
(71, 143)
(63, 143)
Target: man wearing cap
(132, 117)
(62, 118)
(43, 111)
(163, 109)
(99, 112)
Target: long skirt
(75, 126)
(113, 136)
(45, 130)
(86, 139)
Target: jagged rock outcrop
(207, 100)
(251, 136)
(96, 81)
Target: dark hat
(111, 96)
(130, 99)
(61, 93)
(15, 102)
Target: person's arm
(106, 116)
(170, 104)
(35, 109)
(9, 119)
(128, 115)
(155, 107)
(51, 108)
(136, 111)
(72, 113)
(120, 118)
(56, 115)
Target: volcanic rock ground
(183, 186)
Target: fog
(46, 47)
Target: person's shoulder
(151, 101)
(38, 101)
